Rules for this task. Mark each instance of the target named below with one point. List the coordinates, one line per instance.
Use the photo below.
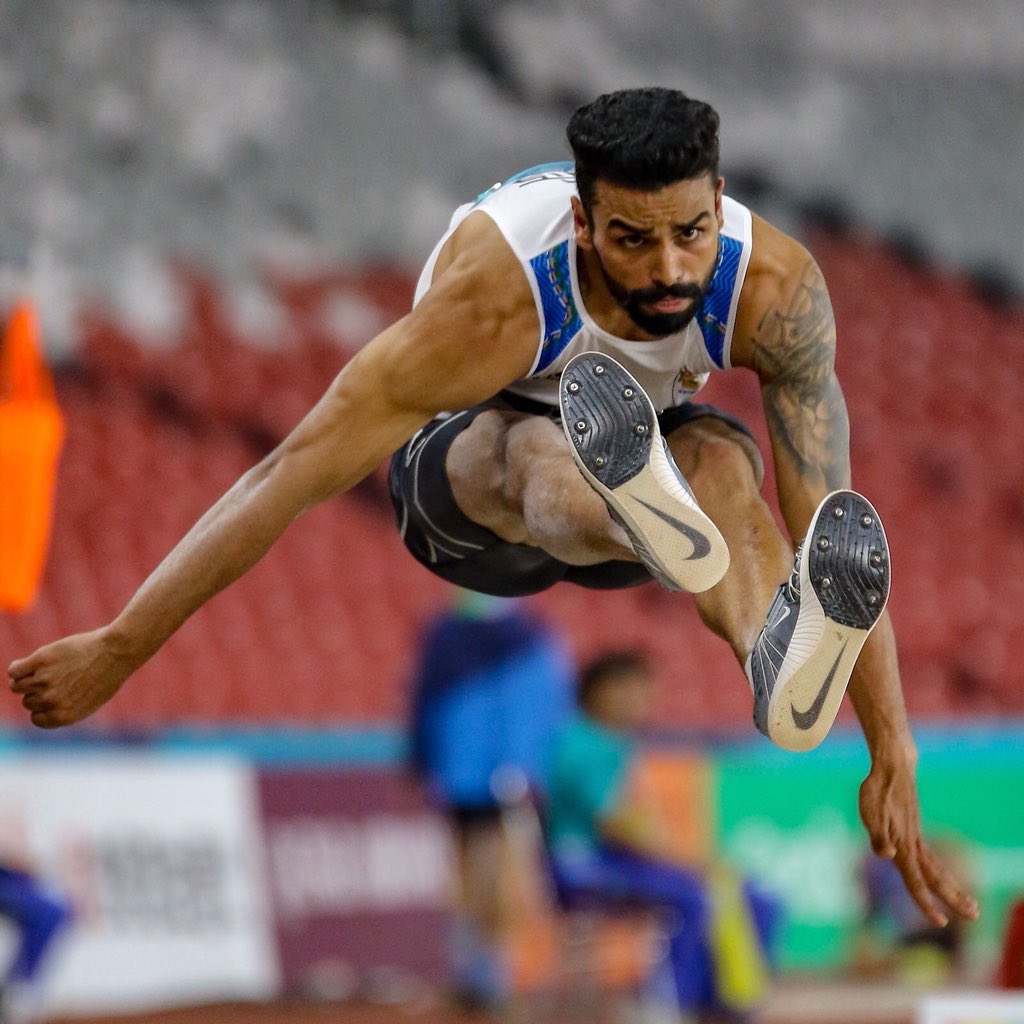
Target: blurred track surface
(794, 1001)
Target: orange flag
(31, 433)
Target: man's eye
(689, 234)
(631, 241)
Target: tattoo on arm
(794, 355)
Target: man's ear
(581, 224)
(719, 189)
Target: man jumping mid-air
(540, 398)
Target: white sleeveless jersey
(533, 212)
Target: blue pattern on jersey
(561, 318)
(713, 315)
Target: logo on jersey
(686, 385)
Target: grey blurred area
(313, 133)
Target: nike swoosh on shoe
(784, 614)
(701, 543)
(805, 720)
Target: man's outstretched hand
(69, 679)
(889, 810)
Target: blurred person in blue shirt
(492, 686)
(609, 847)
(39, 912)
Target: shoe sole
(613, 433)
(844, 587)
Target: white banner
(162, 859)
(972, 1008)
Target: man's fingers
(47, 713)
(883, 846)
(946, 887)
(877, 820)
(918, 888)
(47, 719)
(37, 701)
(19, 675)
(21, 667)
(26, 683)
(880, 834)
(26, 671)
(30, 690)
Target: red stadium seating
(324, 630)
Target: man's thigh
(445, 540)
(692, 425)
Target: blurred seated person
(493, 683)
(609, 847)
(895, 941)
(38, 911)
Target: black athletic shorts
(452, 546)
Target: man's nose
(668, 267)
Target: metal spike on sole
(613, 431)
(802, 661)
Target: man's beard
(659, 324)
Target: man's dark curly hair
(643, 139)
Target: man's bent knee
(712, 446)
(562, 513)
(513, 474)
(491, 464)
(477, 469)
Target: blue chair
(579, 991)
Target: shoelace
(792, 585)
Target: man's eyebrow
(623, 225)
(686, 225)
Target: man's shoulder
(775, 255)
(532, 209)
(777, 262)
(480, 256)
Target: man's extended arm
(791, 347)
(471, 334)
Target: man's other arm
(472, 333)
(787, 334)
